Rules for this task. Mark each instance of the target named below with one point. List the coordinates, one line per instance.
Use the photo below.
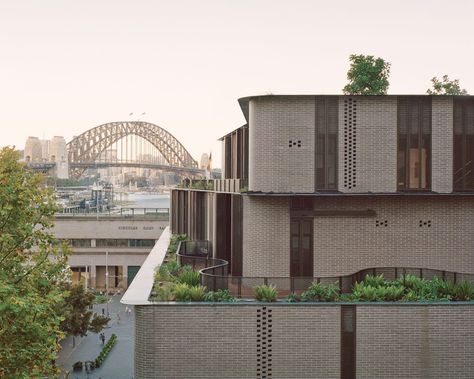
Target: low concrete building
(120, 243)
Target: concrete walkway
(119, 362)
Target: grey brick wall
(343, 245)
(275, 120)
(266, 231)
(434, 342)
(375, 145)
(442, 146)
(219, 341)
(303, 341)
(273, 165)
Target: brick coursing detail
(273, 164)
(442, 144)
(343, 245)
(375, 124)
(221, 342)
(266, 244)
(415, 342)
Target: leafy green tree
(367, 76)
(32, 264)
(78, 318)
(445, 86)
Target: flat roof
(244, 101)
(353, 194)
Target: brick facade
(266, 246)
(441, 144)
(367, 139)
(273, 164)
(343, 245)
(374, 141)
(435, 342)
(302, 341)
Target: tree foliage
(367, 76)
(32, 264)
(78, 318)
(445, 86)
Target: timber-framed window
(326, 121)
(414, 143)
(463, 145)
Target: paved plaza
(119, 363)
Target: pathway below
(119, 363)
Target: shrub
(363, 292)
(105, 351)
(412, 282)
(185, 292)
(168, 270)
(321, 292)
(191, 278)
(174, 242)
(265, 292)
(219, 296)
(163, 292)
(440, 289)
(293, 298)
(197, 293)
(391, 293)
(463, 291)
(100, 299)
(77, 366)
(374, 281)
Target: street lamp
(107, 281)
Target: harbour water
(143, 200)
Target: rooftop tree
(367, 76)
(445, 86)
(32, 264)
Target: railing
(214, 274)
(131, 212)
(231, 185)
(201, 184)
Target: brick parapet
(302, 340)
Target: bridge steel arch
(87, 147)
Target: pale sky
(68, 66)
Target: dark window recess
(326, 124)
(383, 223)
(350, 143)
(80, 243)
(294, 143)
(424, 223)
(301, 203)
(414, 143)
(348, 341)
(236, 153)
(125, 243)
(463, 145)
(301, 247)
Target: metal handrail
(215, 277)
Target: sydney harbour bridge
(136, 144)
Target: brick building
(320, 186)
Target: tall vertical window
(414, 143)
(463, 145)
(326, 143)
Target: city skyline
(68, 67)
